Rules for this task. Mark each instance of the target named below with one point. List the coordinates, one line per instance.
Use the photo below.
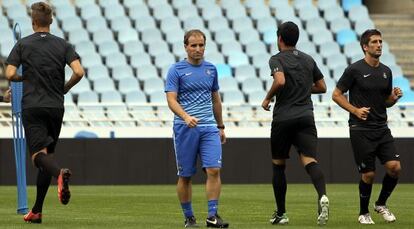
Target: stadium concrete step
(397, 31)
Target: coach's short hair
(41, 14)
(289, 32)
(365, 37)
(192, 32)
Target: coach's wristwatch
(221, 127)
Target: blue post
(18, 136)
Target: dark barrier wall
(152, 161)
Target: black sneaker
(216, 221)
(190, 222)
(283, 219)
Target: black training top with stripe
(301, 72)
(368, 87)
(43, 57)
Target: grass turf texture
(243, 206)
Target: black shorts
(42, 128)
(300, 132)
(368, 144)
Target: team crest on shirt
(208, 72)
(384, 75)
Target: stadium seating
(127, 47)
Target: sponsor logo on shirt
(365, 76)
(384, 75)
(187, 74)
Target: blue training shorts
(189, 143)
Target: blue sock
(212, 207)
(187, 209)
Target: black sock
(279, 188)
(317, 178)
(47, 164)
(388, 185)
(364, 195)
(42, 185)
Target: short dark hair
(289, 32)
(41, 14)
(189, 33)
(365, 37)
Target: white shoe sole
(324, 216)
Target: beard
(375, 55)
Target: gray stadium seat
(137, 11)
(103, 85)
(143, 23)
(91, 59)
(162, 11)
(248, 36)
(211, 12)
(65, 11)
(229, 47)
(132, 47)
(151, 35)
(153, 85)
(129, 84)
(126, 35)
(85, 47)
(256, 97)
(120, 23)
(244, 72)
(122, 72)
(217, 24)
(233, 98)
(308, 12)
(89, 11)
(187, 11)
(236, 59)
(329, 48)
(114, 11)
(259, 12)
(241, 24)
(116, 59)
(108, 48)
(83, 86)
(164, 60)
(352, 48)
(255, 47)
(339, 24)
(102, 35)
(135, 98)
(228, 84)
(158, 47)
(252, 84)
(333, 13)
(97, 72)
(358, 13)
(96, 23)
(147, 72)
(140, 59)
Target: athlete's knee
(394, 169)
(368, 177)
(213, 172)
(35, 156)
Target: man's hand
(7, 96)
(397, 93)
(222, 136)
(191, 121)
(362, 113)
(265, 104)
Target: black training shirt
(368, 87)
(43, 57)
(301, 72)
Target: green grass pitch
(243, 206)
